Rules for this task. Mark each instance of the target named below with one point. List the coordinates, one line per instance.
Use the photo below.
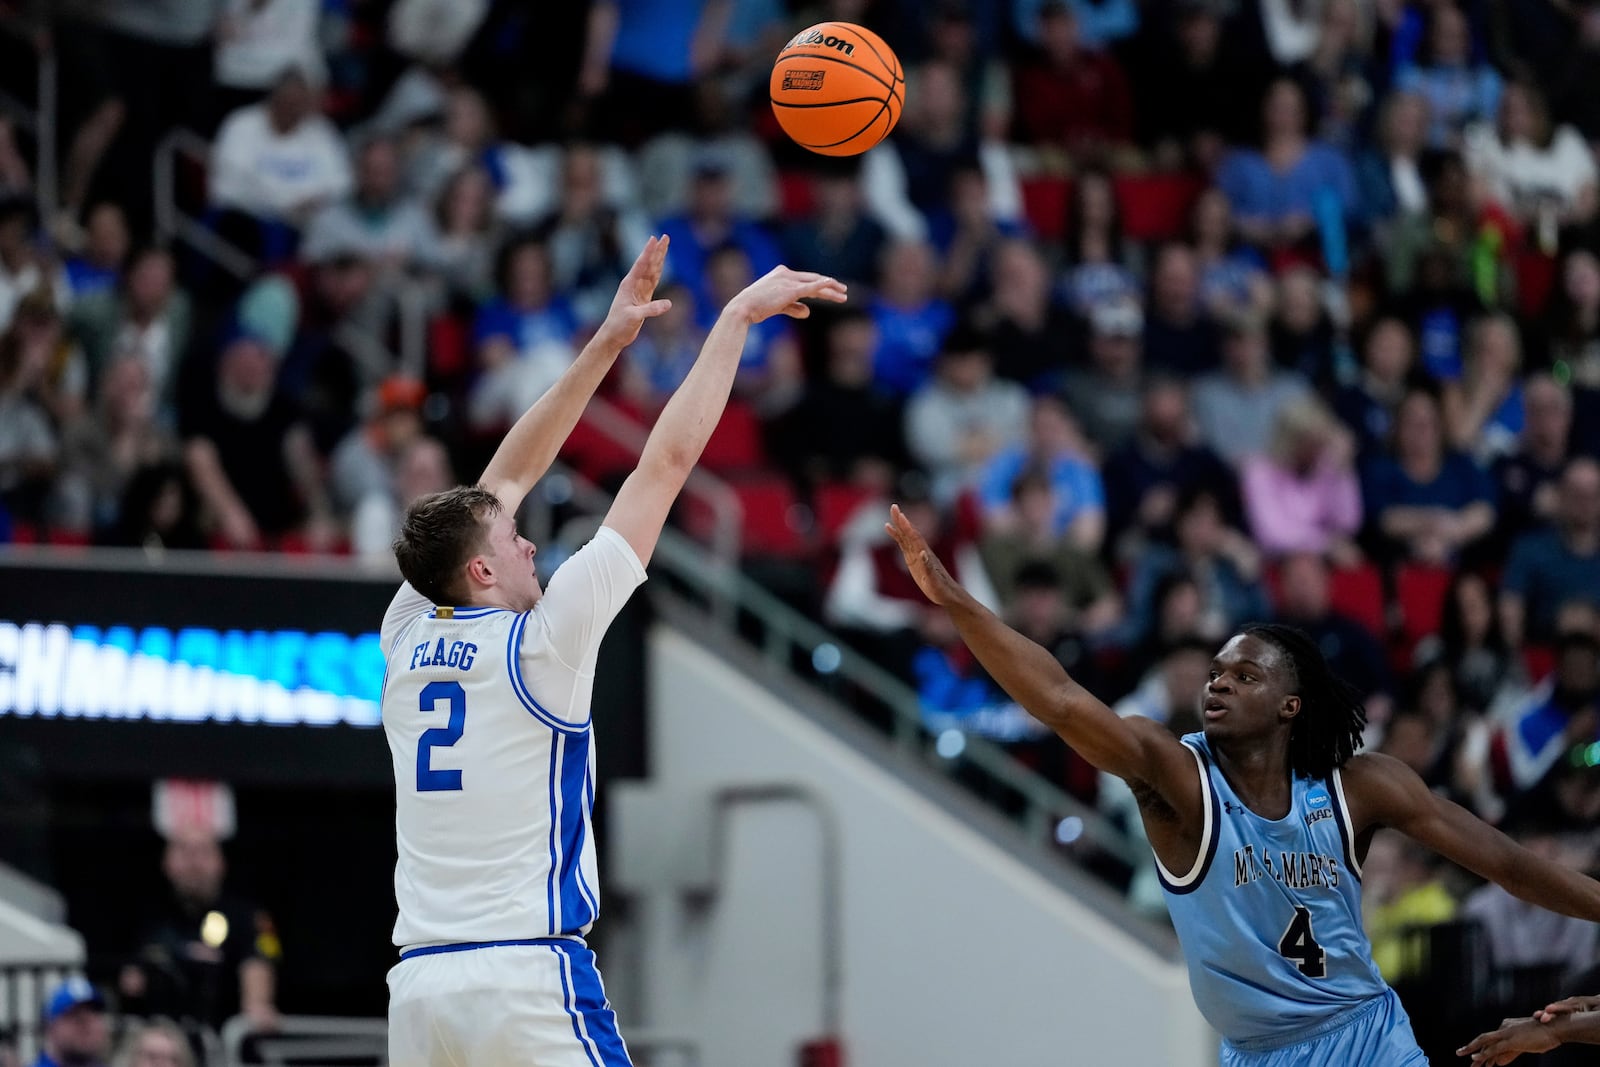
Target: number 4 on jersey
(1300, 944)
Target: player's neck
(1258, 771)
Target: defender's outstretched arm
(1574, 1021)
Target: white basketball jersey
(487, 716)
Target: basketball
(837, 89)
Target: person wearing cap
(1106, 395)
(76, 1031)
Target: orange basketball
(837, 89)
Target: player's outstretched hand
(779, 292)
(1514, 1037)
(1570, 1006)
(635, 300)
(931, 577)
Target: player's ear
(479, 571)
(1290, 708)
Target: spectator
(1573, 94)
(275, 164)
(1030, 334)
(1356, 656)
(1034, 538)
(29, 449)
(910, 177)
(1041, 611)
(364, 464)
(1541, 173)
(1450, 261)
(250, 456)
(1101, 23)
(1205, 88)
(969, 235)
(467, 139)
(589, 238)
(1525, 478)
(1221, 561)
(1303, 496)
(145, 318)
(770, 375)
(76, 1032)
(710, 223)
(1236, 407)
(257, 40)
(524, 337)
(1424, 501)
(154, 1043)
(873, 597)
(1522, 935)
(377, 221)
(844, 429)
(420, 468)
(1548, 568)
(961, 420)
(1390, 172)
(1100, 264)
(466, 234)
(100, 454)
(1402, 893)
(1160, 463)
(1470, 645)
(1538, 727)
(98, 266)
(1180, 337)
(1340, 75)
(24, 269)
(1055, 447)
(666, 349)
(645, 57)
(1301, 335)
(1070, 99)
(912, 322)
(159, 510)
(838, 238)
(1368, 404)
(1483, 410)
(953, 39)
(1233, 281)
(1458, 90)
(1105, 395)
(206, 954)
(1574, 319)
(1276, 190)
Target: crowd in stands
(1165, 316)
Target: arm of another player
(531, 445)
(1541, 1033)
(685, 425)
(1136, 749)
(1382, 791)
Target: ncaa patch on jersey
(1317, 799)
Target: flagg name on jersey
(1293, 870)
(458, 654)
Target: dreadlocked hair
(1328, 729)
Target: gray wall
(956, 952)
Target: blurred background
(1166, 315)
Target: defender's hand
(634, 300)
(931, 577)
(1570, 1006)
(780, 291)
(1514, 1037)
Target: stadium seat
(1536, 277)
(797, 194)
(1156, 207)
(596, 455)
(835, 504)
(1357, 594)
(1044, 202)
(775, 523)
(735, 444)
(1421, 590)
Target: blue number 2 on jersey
(428, 779)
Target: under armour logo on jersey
(1233, 809)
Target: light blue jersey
(1270, 922)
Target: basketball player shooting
(486, 707)
(1259, 824)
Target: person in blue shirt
(1260, 823)
(709, 223)
(527, 313)
(96, 268)
(1054, 445)
(912, 322)
(1548, 568)
(76, 1031)
(1457, 89)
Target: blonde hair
(1298, 420)
(127, 1051)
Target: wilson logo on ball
(803, 79)
(838, 44)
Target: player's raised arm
(1135, 748)
(532, 443)
(680, 434)
(1382, 791)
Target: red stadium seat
(1536, 277)
(775, 524)
(596, 455)
(797, 194)
(1044, 202)
(1421, 590)
(735, 444)
(1156, 207)
(835, 504)
(1357, 594)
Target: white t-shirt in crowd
(256, 169)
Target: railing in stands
(40, 119)
(24, 984)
